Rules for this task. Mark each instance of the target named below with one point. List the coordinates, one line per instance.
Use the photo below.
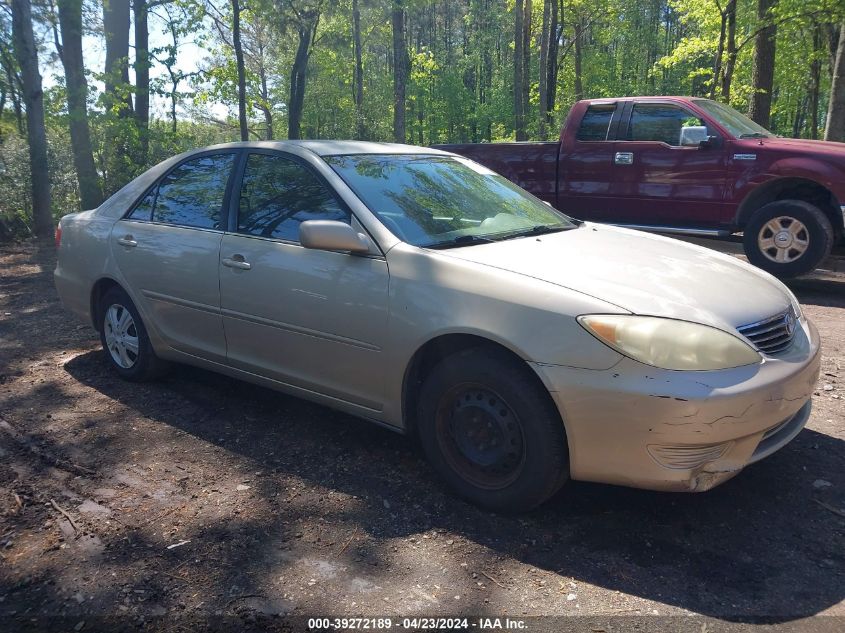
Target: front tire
(491, 431)
(125, 340)
(788, 238)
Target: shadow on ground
(756, 545)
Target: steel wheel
(480, 436)
(783, 239)
(121, 336)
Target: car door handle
(624, 158)
(237, 261)
(127, 240)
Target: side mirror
(710, 141)
(693, 135)
(329, 235)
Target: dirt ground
(199, 501)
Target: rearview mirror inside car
(330, 235)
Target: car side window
(596, 122)
(278, 194)
(189, 195)
(660, 122)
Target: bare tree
(33, 97)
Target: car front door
(312, 319)
(168, 247)
(662, 174)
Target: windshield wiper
(540, 229)
(461, 240)
(754, 135)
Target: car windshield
(739, 125)
(441, 201)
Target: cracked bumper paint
(640, 426)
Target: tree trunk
(70, 23)
(142, 76)
(720, 49)
(400, 70)
(815, 81)
(297, 79)
(835, 129)
(526, 60)
(116, 27)
(763, 71)
(730, 49)
(551, 62)
(579, 85)
(518, 72)
(358, 72)
(27, 56)
(239, 61)
(542, 88)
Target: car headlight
(670, 344)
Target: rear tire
(125, 340)
(788, 238)
(492, 432)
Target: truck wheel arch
(791, 189)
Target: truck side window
(595, 123)
(660, 122)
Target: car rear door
(167, 249)
(315, 320)
(657, 179)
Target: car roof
(332, 148)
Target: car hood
(641, 273)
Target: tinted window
(278, 194)
(192, 194)
(144, 210)
(595, 123)
(425, 200)
(659, 122)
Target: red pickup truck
(689, 166)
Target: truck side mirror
(693, 135)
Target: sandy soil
(201, 501)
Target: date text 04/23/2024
(416, 624)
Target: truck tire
(788, 238)
(492, 432)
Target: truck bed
(533, 166)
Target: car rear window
(596, 122)
(190, 195)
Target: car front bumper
(640, 426)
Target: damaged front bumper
(640, 426)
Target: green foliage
(459, 85)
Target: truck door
(662, 174)
(586, 164)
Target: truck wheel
(492, 432)
(788, 238)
